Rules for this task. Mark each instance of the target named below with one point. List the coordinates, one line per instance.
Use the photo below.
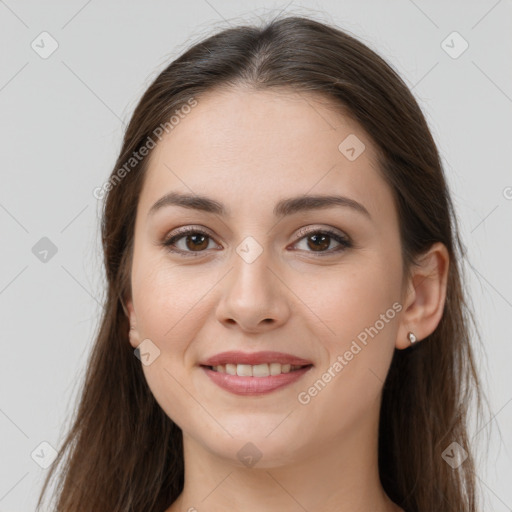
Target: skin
(248, 150)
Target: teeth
(258, 370)
(275, 368)
(244, 370)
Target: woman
(285, 326)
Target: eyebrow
(282, 208)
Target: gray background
(61, 128)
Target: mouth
(249, 380)
(253, 373)
(257, 370)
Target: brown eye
(196, 241)
(319, 241)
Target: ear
(133, 333)
(424, 305)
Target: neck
(338, 475)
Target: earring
(411, 337)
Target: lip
(253, 385)
(238, 357)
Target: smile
(257, 370)
(246, 380)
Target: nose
(253, 297)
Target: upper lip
(252, 358)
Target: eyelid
(300, 233)
(315, 229)
(188, 228)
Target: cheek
(347, 300)
(169, 308)
(348, 385)
(168, 298)
(358, 306)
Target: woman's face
(261, 280)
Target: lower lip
(254, 385)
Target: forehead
(247, 147)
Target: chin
(252, 448)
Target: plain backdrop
(62, 117)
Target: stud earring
(412, 338)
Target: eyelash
(344, 242)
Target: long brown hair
(123, 453)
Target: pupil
(316, 238)
(196, 244)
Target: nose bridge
(251, 272)
(252, 296)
